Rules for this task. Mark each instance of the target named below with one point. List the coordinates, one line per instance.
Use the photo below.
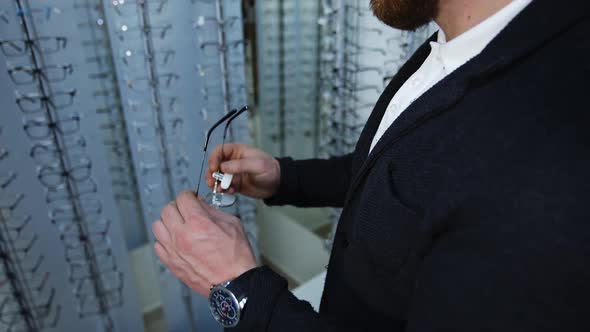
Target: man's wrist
(287, 182)
(228, 300)
(277, 167)
(264, 289)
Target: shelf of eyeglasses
(24, 75)
(213, 48)
(163, 81)
(41, 314)
(132, 32)
(129, 8)
(57, 177)
(36, 102)
(92, 266)
(12, 48)
(125, 8)
(24, 288)
(37, 13)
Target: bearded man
(464, 200)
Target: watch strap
(263, 288)
(241, 284)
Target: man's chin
(407, 15)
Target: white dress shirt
(444, 58)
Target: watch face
(224, 307)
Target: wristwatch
(227, 300)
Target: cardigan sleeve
(271, 307)
(313, 182)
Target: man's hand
(201, 245)
(256, 173)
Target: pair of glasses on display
(28, 74)
(36, 102)
(40, 13)
(20, 47)
(217, 198)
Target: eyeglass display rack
(173, 86)
(35, 289)
(28, 296)
(71, 210)
(99, 60)
(358, 57)
(287, 61)
(123, 139)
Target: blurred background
(104, 109)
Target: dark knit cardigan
(470, 213)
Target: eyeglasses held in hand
(215, 198)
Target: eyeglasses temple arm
(242, 110)
(219, 122)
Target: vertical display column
(102, 80)
(178, 68)
(287, 50)
(68, 162)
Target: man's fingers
(161, 233)
(246, 165)
(190, 207)
(171, 217)
(230, 151)
(161, 252)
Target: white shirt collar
(461, 49)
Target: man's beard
(405, 14)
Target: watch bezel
(234, 301)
